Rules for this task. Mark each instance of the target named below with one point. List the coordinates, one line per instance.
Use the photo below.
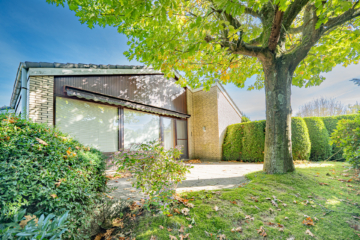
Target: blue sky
(36, 31)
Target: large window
(90, 123)
(97, 125)
(140, 127)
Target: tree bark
(278, 149)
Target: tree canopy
(282, 42)
(222, 39)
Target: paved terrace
(204, 176)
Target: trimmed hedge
(319, 137)
(330, 124)
(301, 145)
(245, 141)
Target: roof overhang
(71, 69)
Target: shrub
(347, 136)
(232, 146)
(246, 141)
(245, 119)
(300, 138)
(330, 124)
(319, 138)
(253, 142)
(44, 171)
(156, 171)
(30, 227)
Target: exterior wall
(205, 114)
(227, 115)
(40, 99)
(190, 121)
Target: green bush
(232, 146)
(347, 136)
(300, 138)
(45, 171)
(253, 142)
(23, 227)
(319, 138)
(157, 171)
(245, 141)
(330, 124)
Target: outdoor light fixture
(204, 129)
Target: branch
(292, 11)
(251, 51)
(296, 30)
(311, 36)
(275, 29)
(343, 18)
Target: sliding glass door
(182, 137)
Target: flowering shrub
(156, 171)
(347, 135)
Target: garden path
(203, 176)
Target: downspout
(24, 93)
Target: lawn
(326, 196)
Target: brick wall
(205, 114)
(40, 99)
(214, 111)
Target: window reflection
(140, 127)
(169, 132)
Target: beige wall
(40, 99)
(227, 115)
(205, 115)
(214, 111)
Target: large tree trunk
(278, 150)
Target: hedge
(300, 138)
(330, 124)
(319, 138)
(245, 141)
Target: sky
(36, 31)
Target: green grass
(334, 205)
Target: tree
(322, 107)
(283, 42)
(356, 81)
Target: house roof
(61, 68)
(78, 65)
(26, 65)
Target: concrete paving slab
(203, 176)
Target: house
(110, 107)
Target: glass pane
(169, 133)
(140, 127)
(90, 123)
(181, 129)
(184, 148)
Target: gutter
(17, 85)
